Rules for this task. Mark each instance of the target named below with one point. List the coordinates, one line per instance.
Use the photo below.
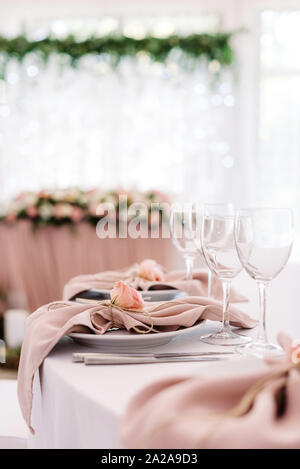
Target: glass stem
(262, 333)
(209, 283)
(226, 292)
(189, 266)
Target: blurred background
(150, 125)
(179, 128)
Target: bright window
(279, 137)
(157, 126)
(145, 125)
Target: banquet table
(78, 406)
(35, 265)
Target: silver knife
(118, 360)
(78, 357)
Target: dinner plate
(122, 340)
(149, 295)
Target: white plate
(122, 340)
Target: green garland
(209, 46)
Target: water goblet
(264, 240)
(218, 245)
(183, 231)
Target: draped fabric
(36, 265)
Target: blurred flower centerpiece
(47, 207)
(73, 206)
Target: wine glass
(205, 209)
(183, 226)
(197, 241)
(219, 250)
(264, 239)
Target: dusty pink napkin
(190, 412)
(175, 279)
(49, 323)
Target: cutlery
(80, 357)
(118, 360)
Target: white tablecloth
(13, 430)
(76, 406)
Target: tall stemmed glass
(183, 230)
(219, 250)
(200, 212)
(264, 239)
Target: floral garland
(212, 47)
(73, 206)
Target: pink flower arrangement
(126, 297)
(71, 206)
(150, 270)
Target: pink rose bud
(32, 211)
(77, 214)
(126, 297)
(295, 352)
(150, 270)
(11, 218)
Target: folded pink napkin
(209, 413)
(49, 323)
(174, 279)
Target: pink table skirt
(38, 264)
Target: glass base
(260, 350)
(225, 337)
